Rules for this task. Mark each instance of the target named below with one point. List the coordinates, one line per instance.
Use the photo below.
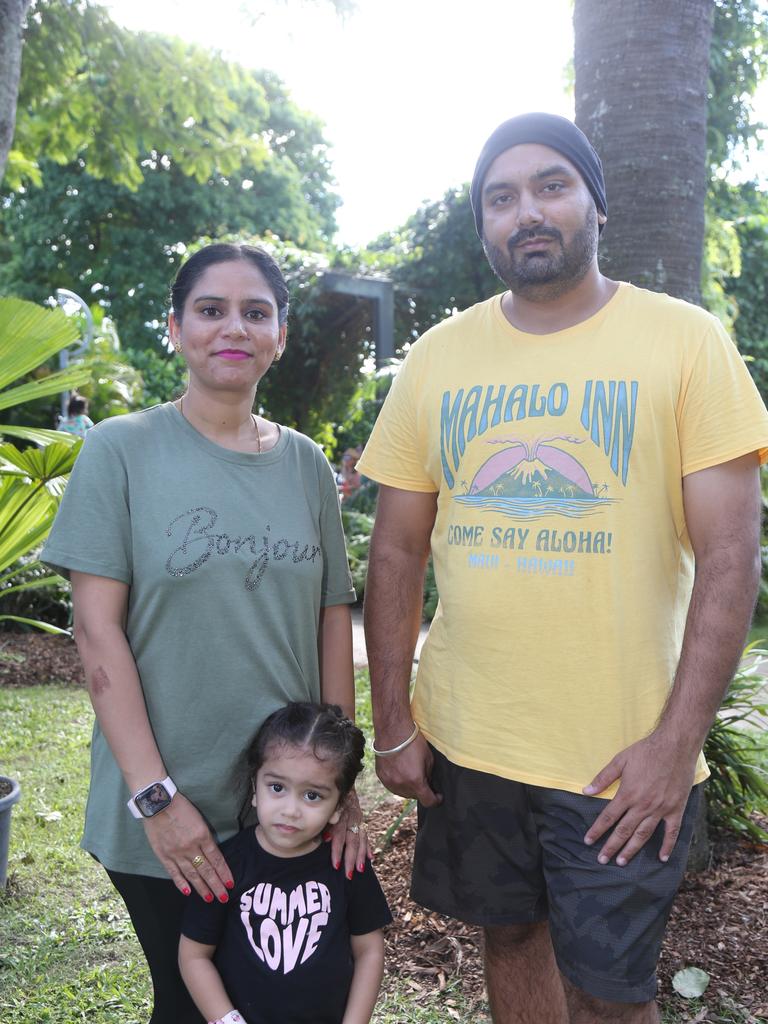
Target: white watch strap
(167, 782)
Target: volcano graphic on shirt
(527, 479)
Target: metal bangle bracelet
(400, 746)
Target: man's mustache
(526, 234)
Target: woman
(210, 586)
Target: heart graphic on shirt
(283, 928)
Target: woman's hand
(348, 836)
(185, 847)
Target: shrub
(164, 377)
(31, 478)
(358, 527)
(34, 594)
(736, 752)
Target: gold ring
(197, 861)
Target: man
(582, 458)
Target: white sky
(408, 89)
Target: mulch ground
(719, 921)
(27, 659)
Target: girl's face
(229, 332)
(295, 797)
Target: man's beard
(549, 274)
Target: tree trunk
(642, 69)
(12, 14)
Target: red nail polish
(223, 898)
(208, 897)
(361, 867)
(326, 836)
(337, 865)
(186, 890)
(349, 875)
(230, 884)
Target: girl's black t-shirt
(283, 939)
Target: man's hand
(407, 773)
(656, 780)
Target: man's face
(540, 223)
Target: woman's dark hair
(323, 728)
(228, 252)
(77, 405)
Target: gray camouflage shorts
(497, 852)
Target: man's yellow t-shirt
(561, 554)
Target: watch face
(153, 799)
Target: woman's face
(229, 332)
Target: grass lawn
(67, 952)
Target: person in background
(77, 420)
(349, 480)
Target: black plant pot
(10, 791)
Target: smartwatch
(153, 798)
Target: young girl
(297, 941)
(77, 421)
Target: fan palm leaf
(32, 479)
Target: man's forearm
(722, 514)
(393, 603)
(722, 603)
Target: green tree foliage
(738, 61)
(364, 406)
(742, 211)
(85, 81)
(163, 374)
(437, 263)
(736, 248)
(329, 341)
(121, 248)
(96, 92)
(115, 231)
(730, 276)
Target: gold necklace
(253, 418)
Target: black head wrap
(548, 130)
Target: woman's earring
(177, 346)
(277, 358)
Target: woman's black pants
(156, 908)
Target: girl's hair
(323, 728)
(228, 252)
(76, 405)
